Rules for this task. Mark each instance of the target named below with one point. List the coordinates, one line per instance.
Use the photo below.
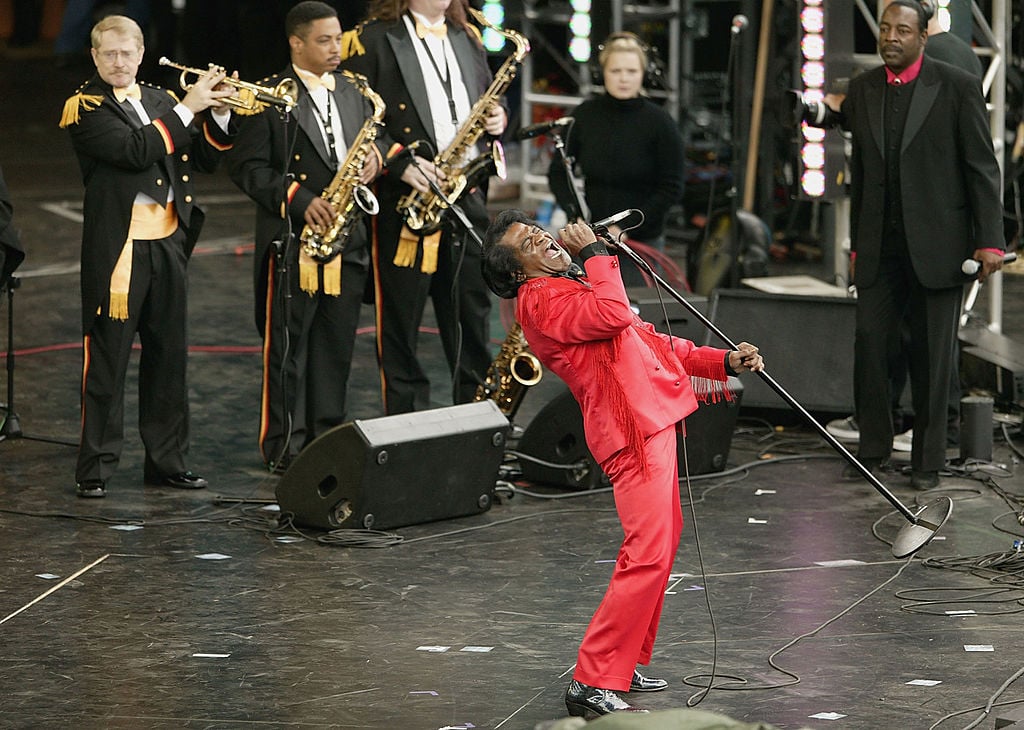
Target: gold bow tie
(423, 31)
(314, 82)
(133, 91)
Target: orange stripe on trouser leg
(265, 384)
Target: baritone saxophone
(348, 197)
(423, 211)
(513, 371)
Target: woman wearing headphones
(628, 149)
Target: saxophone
(348, 197)
(512, 372)
(423, 211)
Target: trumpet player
(306, 311)
(427, 61)
(137, 148)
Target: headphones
(654, 70)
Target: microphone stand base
(915, 535)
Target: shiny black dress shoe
(91, 489)
(582, 700)
(181, 480)
(640, 683)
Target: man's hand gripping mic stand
(922, 525)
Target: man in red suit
(634, 385)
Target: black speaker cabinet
(709, 431)
(398, 470)
(807, 343)
(553, 449)
(667, 315)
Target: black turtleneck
(630, 154)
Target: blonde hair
(119, 24)
(623, 42)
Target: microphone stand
(921, 526)
(556, 137)
(282, 251)
(463, 220)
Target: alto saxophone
(349, 198)
(513, 371)
(422, 211)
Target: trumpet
(249, 97)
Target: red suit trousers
(622, 632)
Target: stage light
(580, 26)
(826, 46)
(494, 11)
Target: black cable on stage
(740, 684)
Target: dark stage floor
(157, 608)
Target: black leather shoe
(91, 489)
(181, 480)
(924, 480)
(640, 683)
(588, 702)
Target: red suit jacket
(629, 380)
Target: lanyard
(445, 79)
(328, 128)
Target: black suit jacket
(118, 158)
(257, 165)
(389, 62)
(949, 174)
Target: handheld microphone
(612, 219)
(535, 130)
(739, 24)
(973, 266)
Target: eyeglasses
(113, 56)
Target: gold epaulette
(350, 45)
(75, 103)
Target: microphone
(535, 130)
(973, 266)
(739, 24)
(612, 219)
(407, 150)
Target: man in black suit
(137, 148)
(924, 197)
(427, 62)
(284, 164)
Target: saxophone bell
(366, 200)
(526, 369)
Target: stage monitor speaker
(553, 449)
(709, 431)
(674, 318)
(398, 470)
(807, 343)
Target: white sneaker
(844, 429)
(903, 441)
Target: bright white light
(813, 74)
(813, 155)
(813, 183)
(812, 20)
(813, 47)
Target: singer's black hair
(500, 265)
